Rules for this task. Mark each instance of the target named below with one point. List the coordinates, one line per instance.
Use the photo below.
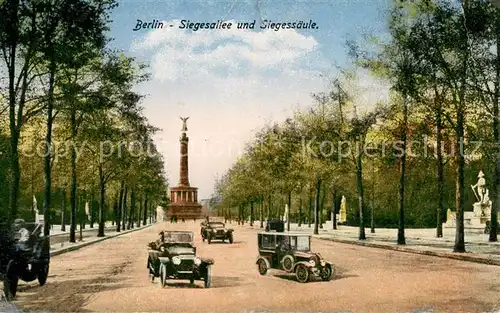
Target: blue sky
(231, 83)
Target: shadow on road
(76, 292)
(227, 281)
(217, 282)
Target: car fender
(230, 230)
(265, 260)
(307, 264)
(164, 260)
(207, 261)
(328, 263)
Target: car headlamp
(176, 260)
(162, 249)
(323, 263)
(312, 262)
(197, 261)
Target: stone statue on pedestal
(482, 208)
(184, 123)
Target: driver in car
(21, 234)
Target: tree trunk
(289, 211)
(361, 200)
(72, 197)
(102, 185)
(119, 210)
(496, 135)
(402, 169)
(334, 207)
(316, 206)
(144, 221)
(132, 209)
(14, 129)
(139, 214)
(261, 208)
(47, 158)
(440, 164)
(300, 211)
(322, 207)
(460, 161)
(63, 209)
(251, 213)
(92, 209)
(124, 209)
(311, 204)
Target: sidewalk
(419, 241)
(56, 229)
(63, 247)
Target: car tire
(209, 239)
(231, 238)
(191, 280)
(328, 274)
(208, 277)
(262, 267)
(11, 281)
(163, 275)
(287, 263)
(302, 273)
(43, 273)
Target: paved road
(112, 276)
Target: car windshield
(178, 236)
(217, 225)
(180, 249)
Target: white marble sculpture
(285, 215)
(343, 210)
(39, 218)
(482, 208)
(87, 210)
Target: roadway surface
(112, 276)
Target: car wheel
(209, 239)
(327, 274)
(302, 273)
(208, 277)
(231, 238)
(163, 275)
(261, 264)
(10, 282)
(287, 263)
(191, 280)
(43, 273)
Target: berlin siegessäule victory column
(184, 198)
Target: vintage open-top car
(24, 254)
(216, 230)
(173, 256)
(292, 254)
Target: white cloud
(230, 83)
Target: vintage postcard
(249, 156)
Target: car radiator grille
(186, 265)
(220, 232)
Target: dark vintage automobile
(292, 254)
(275, 225)
(173, 256)
(24, 255)
(216, 230)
